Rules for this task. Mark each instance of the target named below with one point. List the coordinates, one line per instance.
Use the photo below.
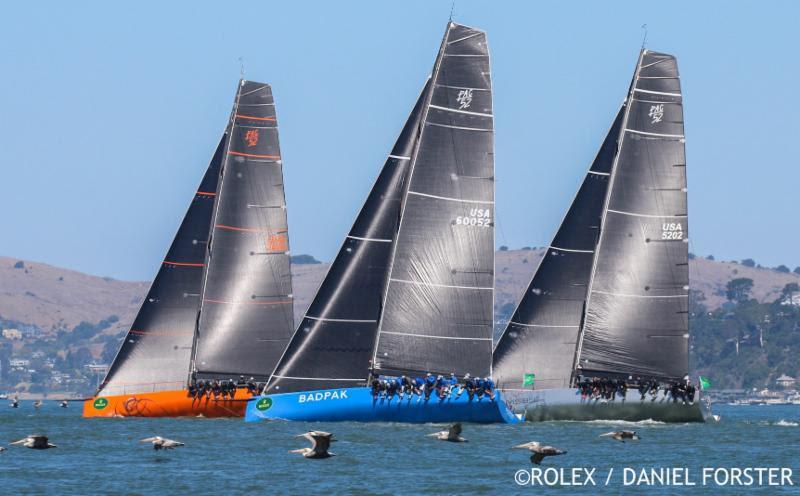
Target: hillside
(53, 298)
(58, 321)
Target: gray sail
(158, 347)
(540, 339)
(246, 320)
(333, 345)
(437, 314)
(636, 320)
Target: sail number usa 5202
(480, 217)
(671, 230)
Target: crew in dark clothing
(690, 392)
(430, 384)
(488, 387)
(419, 386)
(468, 386)
(407, 386)
(392, 388)
(439, 386)
(375, 388)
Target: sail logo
(464, 99)
(251, 137)
(100, 403)
(322, 396)
(656, 113)
(671, 230)
(263, 404)
(479, 217)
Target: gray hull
(567, 404)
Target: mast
(437, 314)
(157, 348)
(579, 345)
(245, 320)
(220, 179)
(541, 336)
(334, 342)
(636, 318)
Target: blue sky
(110, 112)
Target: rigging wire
(644, 36)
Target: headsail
(333, 345)
(246, 318)
(540, 339)
(157, 349)
(636, 321)
(437, 313)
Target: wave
(786, 423)
(619, 422)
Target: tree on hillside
(797, 270)
(738, 290)
(710, 257)
(504, 248)
(790, 289)
(782, 269)
(749, 262)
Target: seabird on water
(35, 441)
(320, 443)
(539, 451)
(2, 449)
(63, 404)
(160, 443)
(621, 435)
(453, 434)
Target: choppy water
(229, 456)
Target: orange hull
(166, 404)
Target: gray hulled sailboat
(609, 301)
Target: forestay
(157, 350)
(333, 345)
(540, 339)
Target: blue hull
(357, 405)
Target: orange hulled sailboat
(219, 312)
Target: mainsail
(334, 342)
(245, 319)
(540, 339)
(636, 320)
(437, 314)
(156, 352)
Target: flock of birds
(321, 443)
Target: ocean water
(231, 457)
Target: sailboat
(411, 290)
(220, 306)
(609, 300)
